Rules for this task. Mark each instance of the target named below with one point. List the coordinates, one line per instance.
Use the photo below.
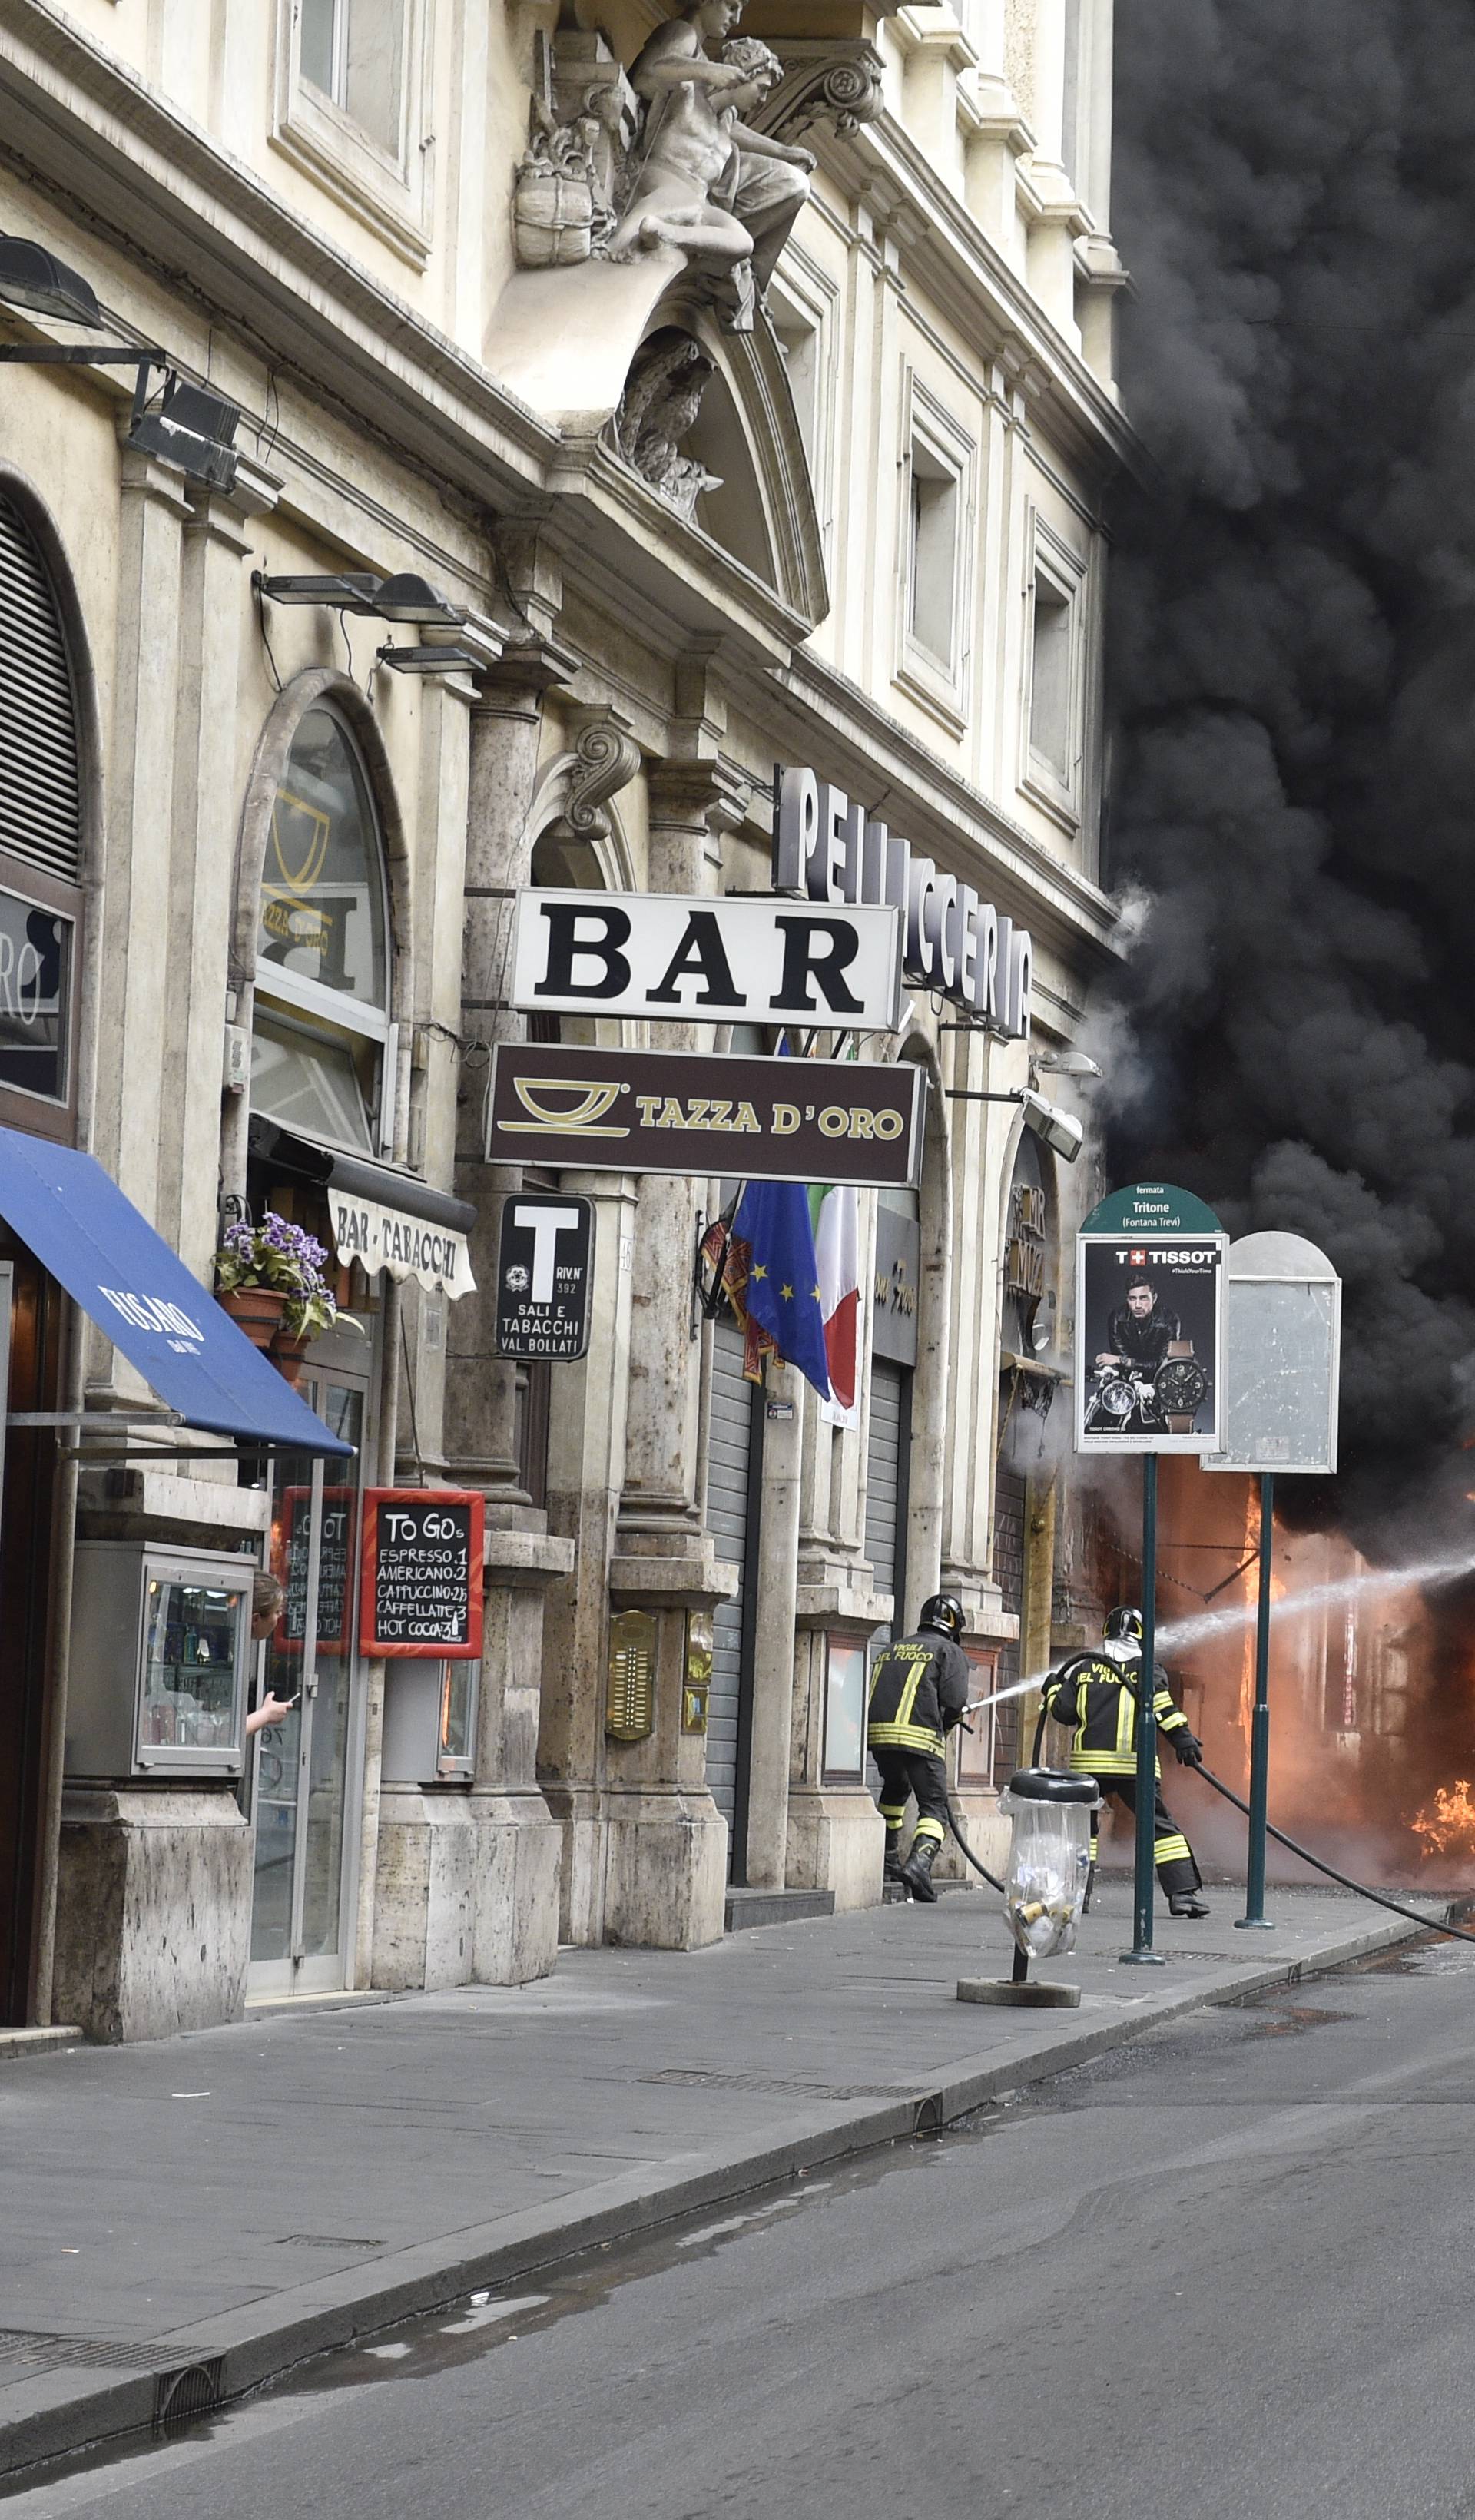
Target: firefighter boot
(1187, 1903)
(891, 1867)
(916, 1872)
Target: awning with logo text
(94, 1241)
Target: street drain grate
(697, 2077)
(324, 2240)
(195, 2389)
(55, 2353)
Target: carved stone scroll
(825, 80)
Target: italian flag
(834, 1215)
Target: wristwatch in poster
(1183, 1386)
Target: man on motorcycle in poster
(1139, 1330)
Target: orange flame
(1448, 1824)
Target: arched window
(322, 1035)
(40, 840)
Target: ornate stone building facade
(736, 397)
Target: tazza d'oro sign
(421, 1593)
(828, 1121)
(708, 961)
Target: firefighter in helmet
(1095, 1696)
(918, 1691)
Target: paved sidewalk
(255, 2195)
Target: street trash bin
(1049, 1856)
(1044, 1883)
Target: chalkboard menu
(335, 1557)
(422, 1587)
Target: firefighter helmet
(1124, 1626)
(943, 1610)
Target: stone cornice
(199, 224)
(943, 245)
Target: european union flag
(783, 1290)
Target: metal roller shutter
(730, 1465)
(886, 1481)
(40, 785)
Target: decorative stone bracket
(826, 79)
(604, 759)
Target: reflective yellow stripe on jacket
(899, 1733)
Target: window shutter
(40, 783)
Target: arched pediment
(731, 454)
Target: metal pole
(1141, 1952)
(1259, 1726)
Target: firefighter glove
(1188, 1747)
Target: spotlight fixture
(33, 278)
(448, 656)
(190, 429)
(349, 591)
(1066, 1062)
(1060, 1130)
(407, 596)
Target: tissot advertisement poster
(1149, 1342)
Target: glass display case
(160, 1644)
(429, 1733)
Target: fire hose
(1395, 1906)
(1457, 1933)
(952, 1824)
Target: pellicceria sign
(830, 848)
(709, 962)
(680, 1111)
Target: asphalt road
(1227, 2272)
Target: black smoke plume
(1293, 666)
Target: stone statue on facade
(662, 400)
(618, 168)
(702, 178)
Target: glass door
(309, 1767)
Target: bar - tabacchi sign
(835, 1121)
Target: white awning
(387, 1238)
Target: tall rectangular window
(932, 583)
(353, 52)
(1051, 679)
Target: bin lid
(1050, 1785)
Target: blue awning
(111, 1261)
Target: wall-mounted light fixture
(448, 656)
(407, 596)
(190, 429)
(346, 591)
(33, 278)
(1060, 1130)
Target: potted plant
(270, 1278)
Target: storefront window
(36, 993)
(976, 1747)
(320, 1059)
(323, 884)
(301, 1076)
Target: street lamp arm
(79, 354)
